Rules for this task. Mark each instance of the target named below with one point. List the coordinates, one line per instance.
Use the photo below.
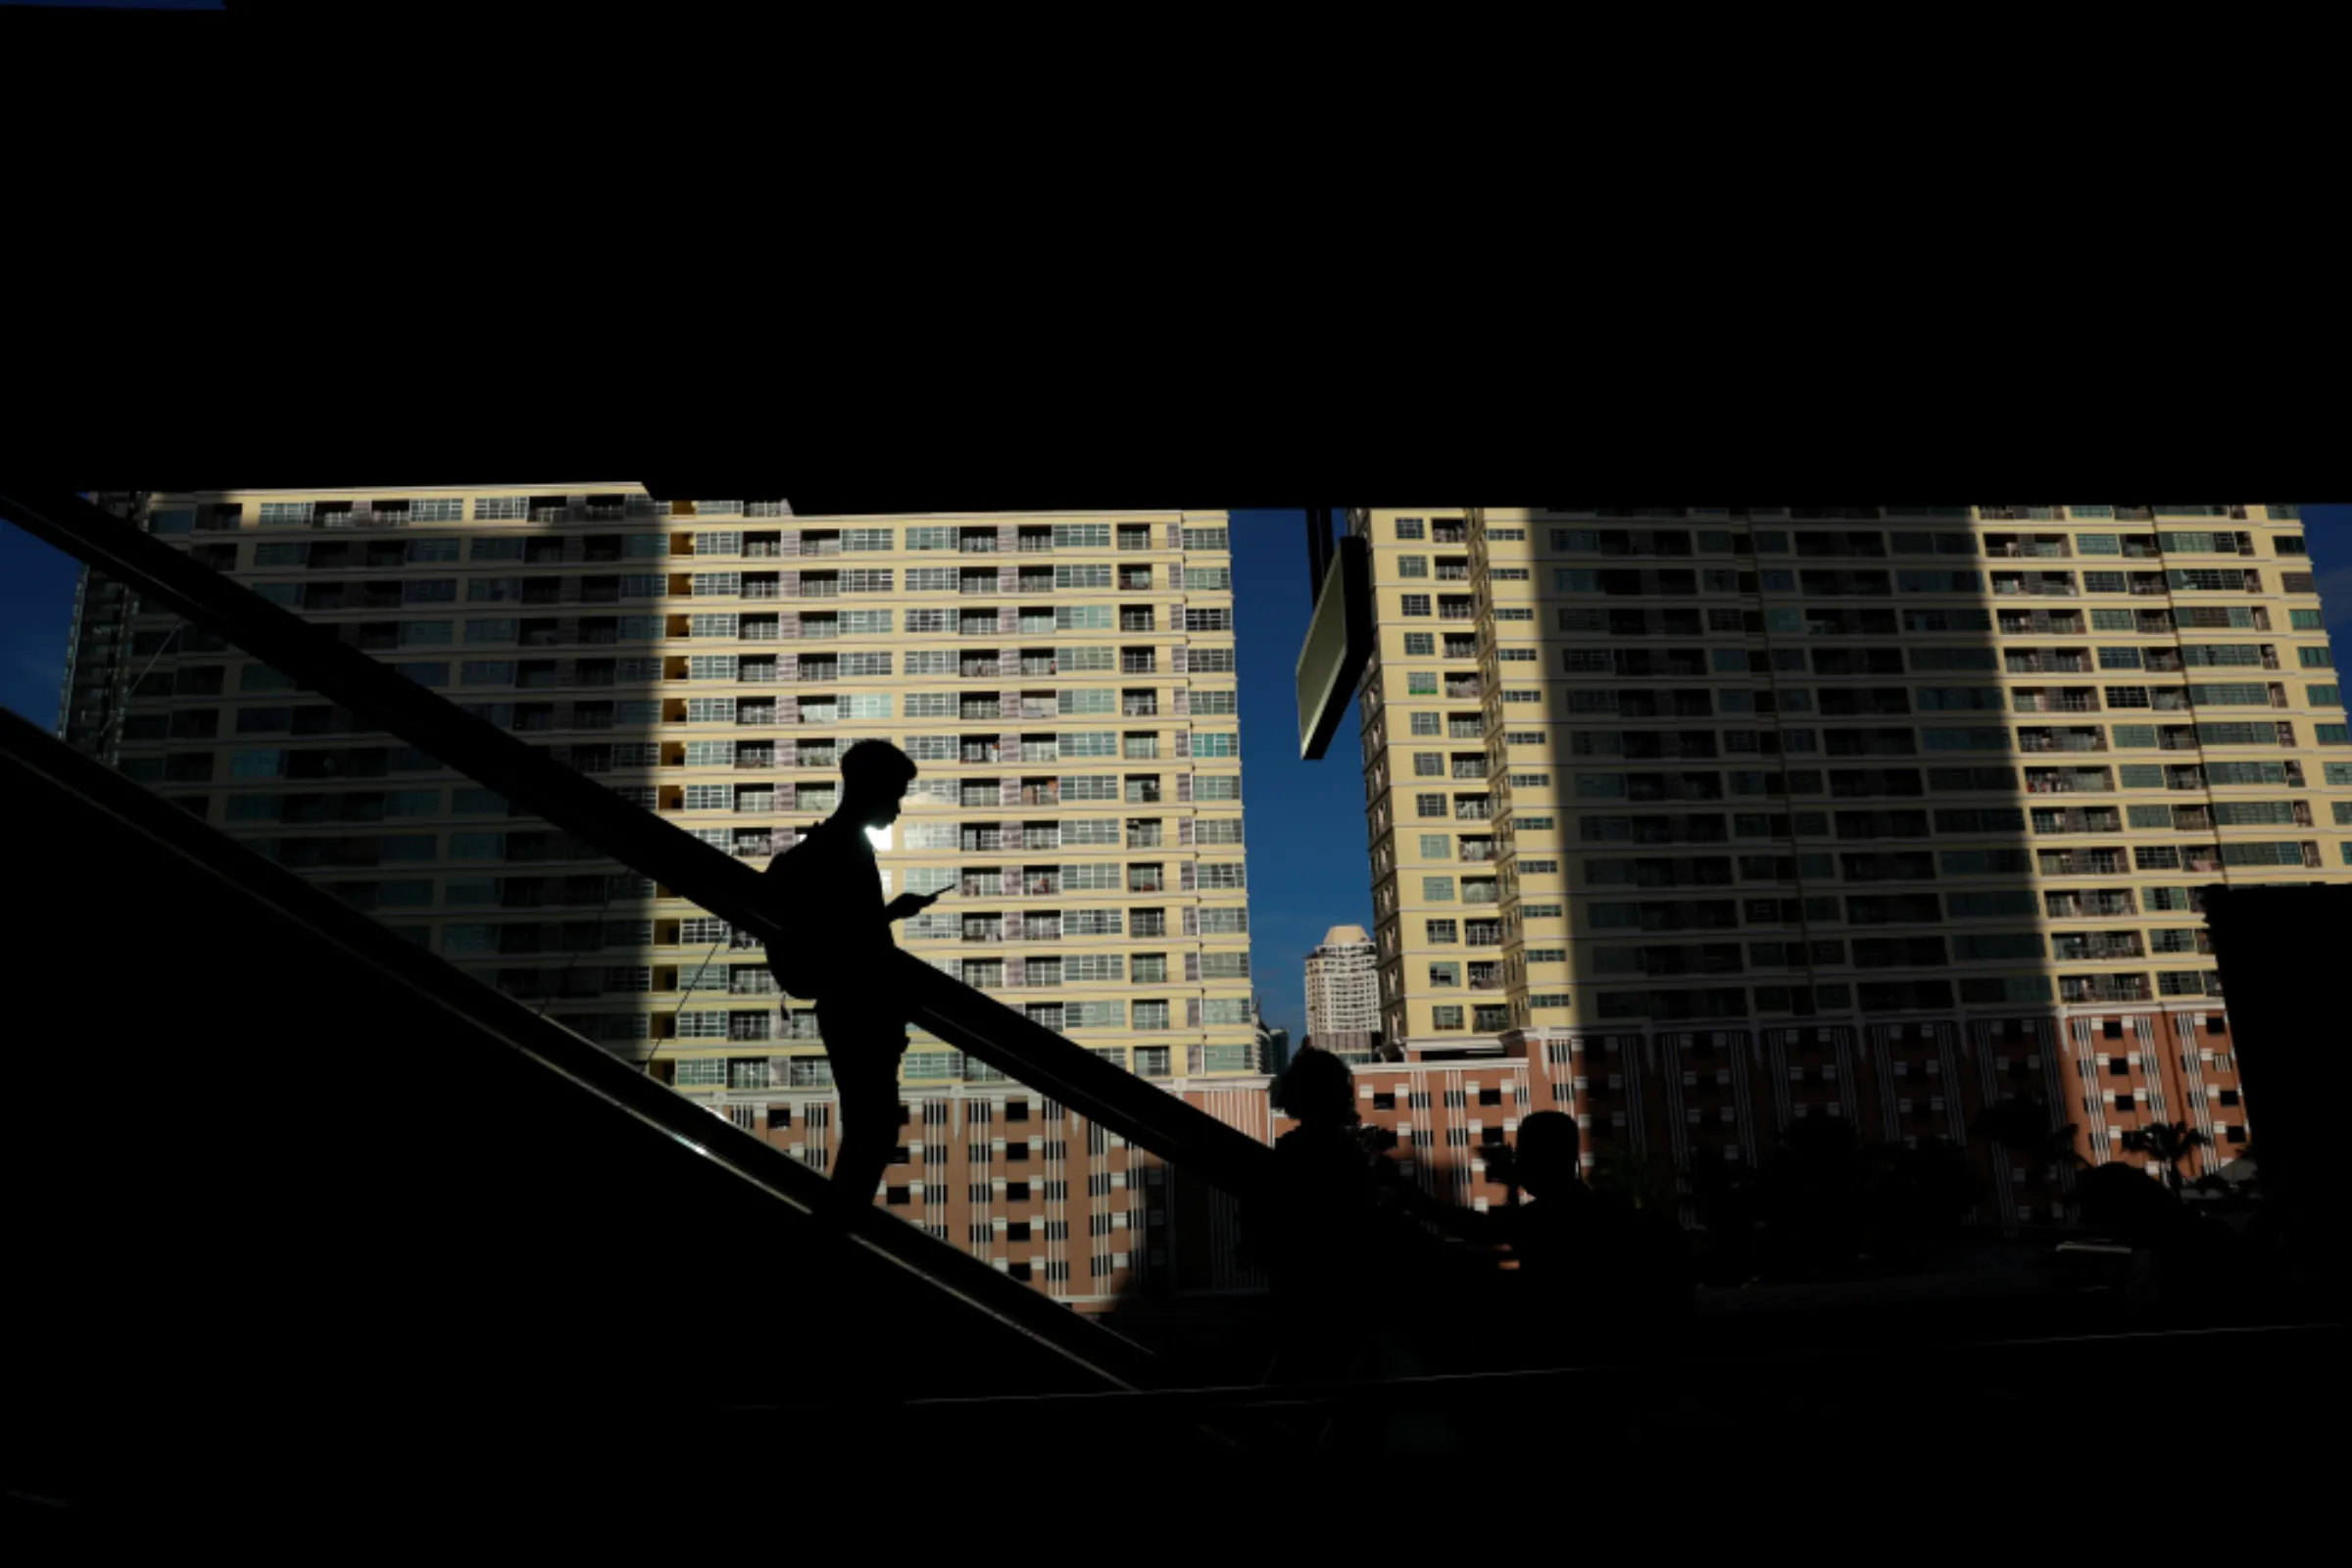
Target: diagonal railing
(30, 762)
(1149, 1117)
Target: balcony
(2082, 949)
(2103, 988)
(2061, 702)
(759, 758)
(762, 590)
(1140, 707)
(2068, 784)
(2044, 741)
(2096, 907)
(2093, 863)
(767, 550)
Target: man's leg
(865, 1077)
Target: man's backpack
(801, 955)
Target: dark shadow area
(339, 1249)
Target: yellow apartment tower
(1065, 683)
(1700, 820)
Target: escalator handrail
(1138, 1110)
(34, 758)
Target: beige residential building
(1343, 993)
(1065, 683)
(1728, 816)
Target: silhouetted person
(828, 892)
(1348, 1273)
(1596, 1265)
(1317, 1228)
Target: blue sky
(1307, 854)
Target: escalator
(301, 1209)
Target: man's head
(1545, 1156)
(1318, 1089)
(874, 775)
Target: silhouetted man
(1601, 1263)
(829, 894)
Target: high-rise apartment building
(1711, 818)
(1343, 993)
(1273, 1044)
(1065, 683)
(97, 677)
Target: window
(1408, 529)
(1447, 1016)
(1209, 621)
(1416, 605)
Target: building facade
(1718, 817)
(1343, 993)
(97, 680)
(1064, 682)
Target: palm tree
(2024, 1127)
(1630, 1175)
(2168, 1142)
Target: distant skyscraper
(98, 673)
(1342, 993)
(1273, 1045)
